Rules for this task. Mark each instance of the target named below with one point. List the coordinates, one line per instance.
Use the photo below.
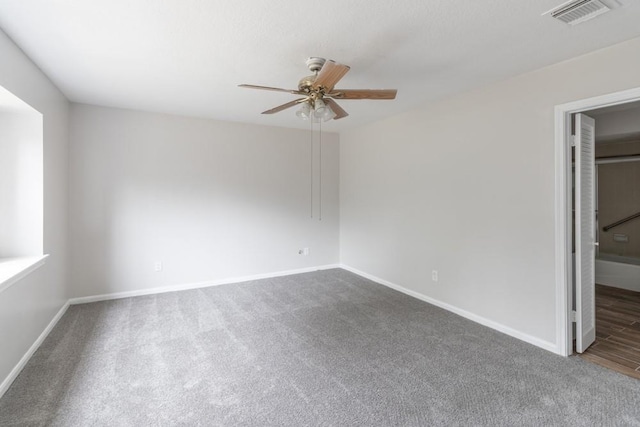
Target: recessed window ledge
(15, 269)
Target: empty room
(365, 213)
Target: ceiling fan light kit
(318, 92)
(316, 110)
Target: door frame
(563, 231)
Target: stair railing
(620, 222)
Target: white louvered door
(585, 205)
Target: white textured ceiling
(188, 56)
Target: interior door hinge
(573, 140)
(574, 316)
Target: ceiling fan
(318, 92)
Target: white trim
(27, 356)
(562, 234)
(547, 345)
(197, 285)
(13, 270)
(601, 101)
(563, 112)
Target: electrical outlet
(434, 275)
(303, 251)
(157, 266)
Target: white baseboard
(187, 286)
(549, 346)
(22, 363)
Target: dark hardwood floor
(617, 343)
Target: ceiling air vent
(579, 11)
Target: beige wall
(467, 187)
(619, 197)
(210, 200)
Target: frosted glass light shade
(320, 109)
(304, 112)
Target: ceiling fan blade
(330, 74)
(284, 106)
(340, 113)
(276, 89)
(363, 94)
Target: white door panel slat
(585, 232)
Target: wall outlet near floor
(157, 266)
(434, 275)
(303, 251)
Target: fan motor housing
(306, 83)
(314, 64)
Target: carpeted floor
(324, 348)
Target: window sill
(14, 269)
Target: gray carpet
(324, 348)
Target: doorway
(615, 222)
(583, 312)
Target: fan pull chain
(320, 176)
(311, 168)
